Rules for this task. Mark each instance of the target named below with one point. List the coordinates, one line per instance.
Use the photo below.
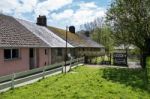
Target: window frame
(11, 53)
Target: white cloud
(27, 6)
(84, 11)
(87, 15)
(45, 7)
(64, 15)
(17, 7)
(87, 5)
(87, 12)
(7, 6)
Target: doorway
(32, 58)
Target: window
(15, 53)
(7, 53)
(59, 52)
(11, 53)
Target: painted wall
(15, 65)
(22, 63)
(49, 56)
(43, 58)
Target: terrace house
(25, 45)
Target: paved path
(130, 65)
(104, 66)
(134, 65)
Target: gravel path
(134, 65)
(130, 65)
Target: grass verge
(85, 83)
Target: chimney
(72, 29)
(42, 21)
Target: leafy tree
(130, 21)
(100, 32)
(103, 36)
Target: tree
(103, 36)
(100, 32)
(130, 22)
(90, 26)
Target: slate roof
(44, 34)
(13, 34)
(21, 33)
(89, 40)
(77, 40)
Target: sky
(59, 13)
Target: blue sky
(60, 13)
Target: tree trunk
(142, 59)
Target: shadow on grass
(129, 77)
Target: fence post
(62, 68)
(79, 61)
(12, 81)
(76, 62)
(43, 72)
(82, 60)
(70, 64)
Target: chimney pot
(72, 29)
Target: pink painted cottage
(25, 45)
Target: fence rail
(9, 81)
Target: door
(32, 58)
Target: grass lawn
(85, 83)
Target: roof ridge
(44, 34)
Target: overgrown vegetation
(99, 60)
(130, 22)
(86, 83)
(100, 32)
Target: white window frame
(11, 58)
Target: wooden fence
(10, 81)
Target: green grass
(98, 60)
(86, 83)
